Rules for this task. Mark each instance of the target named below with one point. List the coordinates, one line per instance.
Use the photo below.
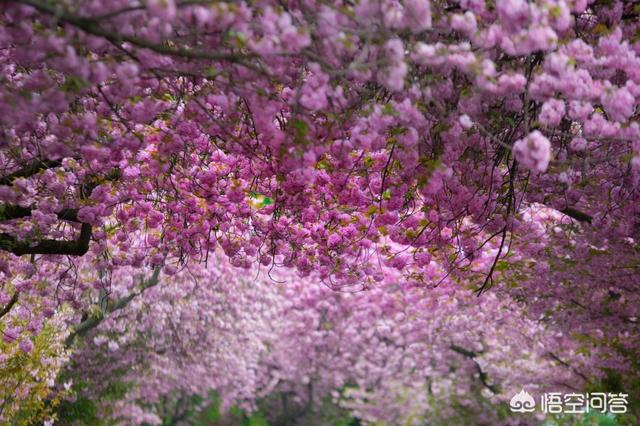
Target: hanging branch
(30, 169)
(93, 321)
(12, 211)
(7, 308)
(91, 26)
(481, 373)
(77, 247)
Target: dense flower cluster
(202, 330)
(391, 354)
(492, 145)
(28, 373)
(534, 151)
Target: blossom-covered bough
(391, 355)
(493, 145)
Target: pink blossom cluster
(336, 139)
(388, 354)
(533, 151)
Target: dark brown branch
(463, 351)
(569, 366)
(92, 322)
(12, 211)
(90, 26)
(488, 282)
(140, 7)
(484, 378)
(29, 170)
(577, 215)
(7, 308)
(76, 247)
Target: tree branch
(76, 247)
(569, 366)
(92, 322)
(90, 26)
(7, 308)
(12, 211)
(129, 9)
(29, 170)
(577, 215)
(482, 375)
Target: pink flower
(163, 9)
(618, 104)
(88, 215)
(464, 23)
(465, 121)
(394, 75)
(578, 6)
(417, 14)
(578, 144)
(561, 18)
(25, 345)
(514, 14)
(580, 110)
(334, 241)
(398, 262)
(533, 152)
(422, 258)
(552, 112)
(10, 334)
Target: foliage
(27, 378)
(411, 151)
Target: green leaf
(73, 84)
(301, 127)
(389, 110)
(257, 419)
(502, 265)
(211, 72)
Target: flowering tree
(28, 372)
(202, 330)
(406, 355)
(494, 145)
(394, 354)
